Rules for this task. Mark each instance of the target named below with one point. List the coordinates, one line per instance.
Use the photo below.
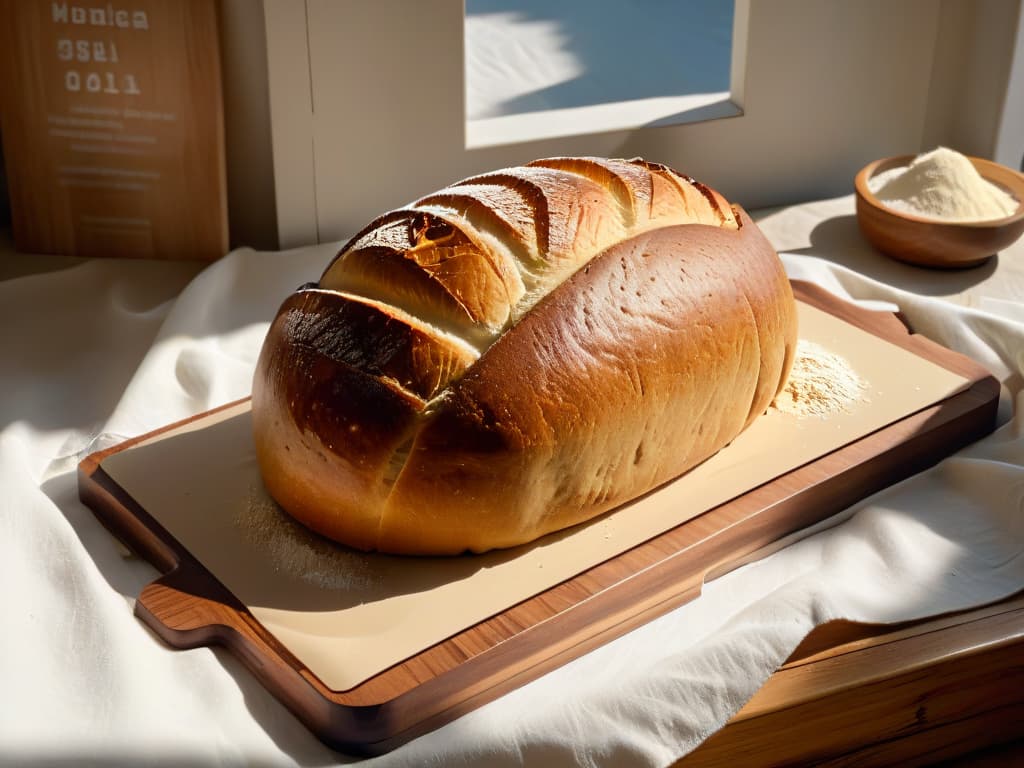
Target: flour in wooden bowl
(944, 185)
(820, 383)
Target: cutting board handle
(188, 609)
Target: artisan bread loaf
(519, 353)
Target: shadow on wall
(530, 55)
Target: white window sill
(598, 118)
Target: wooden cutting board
(189, 606)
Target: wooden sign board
(112, 124)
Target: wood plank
(188, 607)
(907, 695)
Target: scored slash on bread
(477, 255)
(517, 353)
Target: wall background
(338, 111)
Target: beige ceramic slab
(348, 616)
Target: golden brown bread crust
(384, 432)
(507, 456)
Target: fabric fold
(134, 347)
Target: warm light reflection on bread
(518, 353)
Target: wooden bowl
(930, 242)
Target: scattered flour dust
(820, 383)
(293, 550)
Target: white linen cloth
(103, 350)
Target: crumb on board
(293, 550)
